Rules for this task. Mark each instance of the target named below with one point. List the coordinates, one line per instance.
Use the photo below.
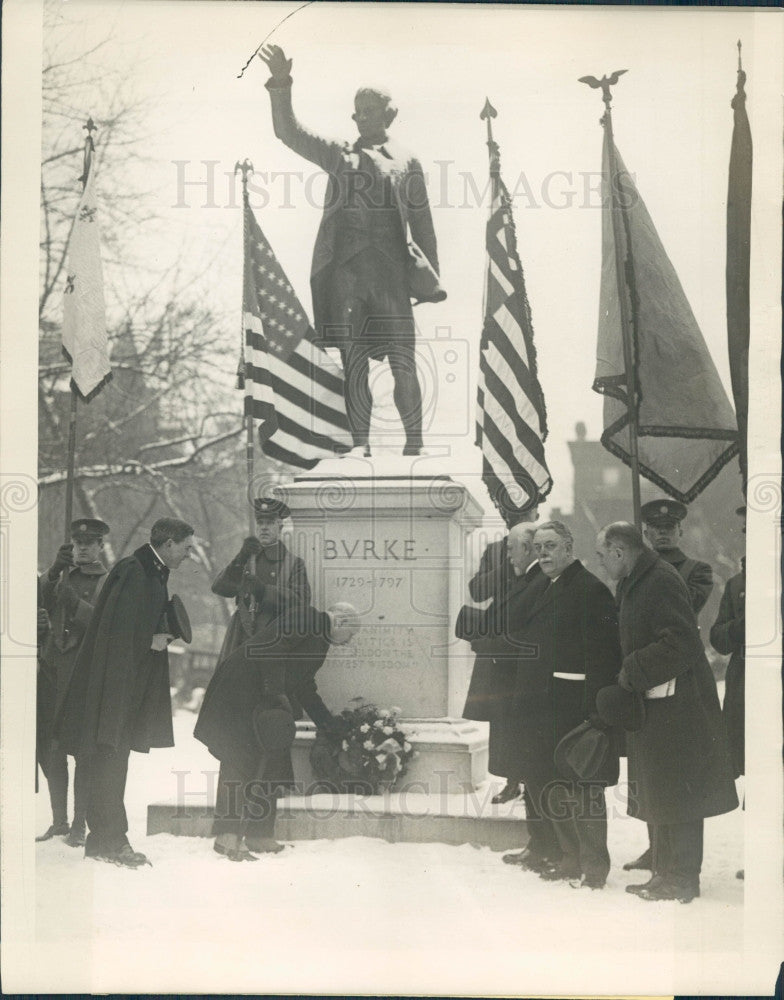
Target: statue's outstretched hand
(277, 63)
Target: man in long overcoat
(376, 196)
(679, 768)
(569, 632)
(119, 699)
(69, 590)
(728, 637)
(662, 521)
(264, 682)
(279, 580)
(506, 569)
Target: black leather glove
(62, 560)
(250, 547)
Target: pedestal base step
(468, 818)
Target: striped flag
(511, 422)
(292, 386)
(85, 343)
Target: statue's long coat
(119, 690)
(679, 768)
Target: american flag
(511, 422)
(292, 386)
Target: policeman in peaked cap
(662, 528)
(69, 590)
(279, 578)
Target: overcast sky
(672, 123)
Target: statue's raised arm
(375, 250)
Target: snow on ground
(363, 914)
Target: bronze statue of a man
(375, 249)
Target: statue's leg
(407, 394)
(356, 368)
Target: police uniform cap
(89, 528)
(663, 512)
(266, 507)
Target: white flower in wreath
(406, 746)
(368, 744)
(345, 744)
(384, 713)
(364, 728)
(378, 724)
(382, 760)
(396, 710)
(387, 730)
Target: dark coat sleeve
(728, 632)
(602, 642)
(700, 584)
(227, 582)
(488, 580)
(675, 642)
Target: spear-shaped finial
(605, 83)
(89, 148)
(488, 113)
(740, 64)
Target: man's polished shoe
(126, 857)
(230, 846)
(682, 890)
(643, 863)
(76, 837)
(55, 830)
(508, 793)
(264, 845)
(741, 874)
(636, 887)
(560, 873)
(593, 882)
(527, 860)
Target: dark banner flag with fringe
(738, 261)
(292, 387)
(511, 423)
(686, 425)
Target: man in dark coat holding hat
(679, 769)
(363, 257)
(568, 631)
(279, 578)
(118, 699)
(662, 529)
(69, 590)
(506, 569)
(247, 720)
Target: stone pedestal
(391, 540)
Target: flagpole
(246, 168)
(624, 277)
(89, 149)
(488, 113)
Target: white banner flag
(84, 311)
